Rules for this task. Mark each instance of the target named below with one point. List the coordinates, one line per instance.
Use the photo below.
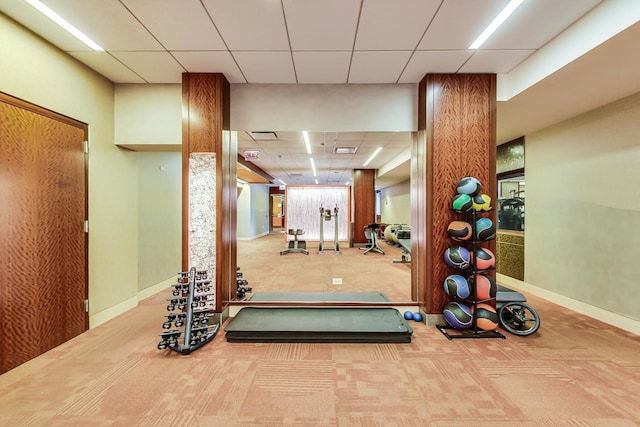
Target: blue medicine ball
(485, 229)
(417, 317)
(458, 315)
(457, 257)
(469, 185)
(408, 315)
(457, 286)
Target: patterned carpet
(574, 371)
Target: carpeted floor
(574, 372)
(267, 271)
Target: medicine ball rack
(473, 331)
(192, 327)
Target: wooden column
(364, 202)
(209, 149)
(456, 138)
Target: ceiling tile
(423, 62)
(535, 23)
(307, 23)
(210, 62)
(322, 67)
(108, 23)
(393, 25)
(177, 24)
(266, 67)
(252, 25)
(377, 67)
(495, 61)
(154, 67)
(108, 66)
(459, 22)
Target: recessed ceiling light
(498, 20)
(65, 24)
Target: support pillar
(456, 138)
(209, 162)
(364, 202)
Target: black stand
(473, 331)
(190, 296)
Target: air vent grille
(345, 150)
(264, 135)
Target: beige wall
(395, 204)
(159, 217)
(70, 88)
(148, 116)
(583, 208)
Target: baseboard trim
(154, 289)
(254, 237)
(614, 319)
(116, 310)
(111, 312)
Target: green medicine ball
(462, 203)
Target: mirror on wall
(511, 198)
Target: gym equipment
(469, 185)
(328, 215)
(295, 245)
(486, 317)
(483, 286)
(408, 315)
(242, 286)
(459, 230)
(485, 229)
(514, 314)
(457, 286)
(194, 315)
(457, 257)
(482, 202)
(371, 233)
(483, 259)
(403, 236)
(417, 317)
(462, 203)
(457, 315)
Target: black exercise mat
(320, 296)
(319, 324)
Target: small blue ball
(417, 317)
(408, 315)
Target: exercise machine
(328, 215)
(371, 233)
(403, 236)
(296, 245)
(514, 314)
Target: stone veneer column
(209, 205)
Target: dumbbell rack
(191, 325)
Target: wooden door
(43, 246)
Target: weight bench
(405, 245)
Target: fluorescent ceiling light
(64, 24)
(283, 183)
(316, 180)
(502, 16)
(305, 134)
(375, 153)
(313, 166)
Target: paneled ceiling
(309, 42)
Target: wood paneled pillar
(364, 202)
(456, 138)
(209, 202)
